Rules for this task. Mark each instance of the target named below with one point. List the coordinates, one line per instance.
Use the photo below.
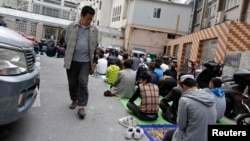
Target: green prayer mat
(159, 120)
(222, 122)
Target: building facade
(40, 18)
(149, 29)
(217, 27)
(107, 35)
(47, 18)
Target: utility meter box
(235, 60)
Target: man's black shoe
(81, 113)
(73, 105)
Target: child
(112, 73)
(215, 88)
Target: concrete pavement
(50, 119)
(102, 112)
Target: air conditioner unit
(219, 17)
(205, 23)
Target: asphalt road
(50, 119)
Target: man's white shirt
(101, 66)
(164, 67)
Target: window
(100, 5)
(231, 4)
(176, 49)
(198, 16)
(53, 2)
(36, 8)
(21, 6)
(13, 3)
(65, 15)
(186, 51)
(171, 36)
(50, 32)
(116, 13)
(208, 49)
(168, 50)
(199, 4)
(211, 9)
(157, 12)
(72, 16)
(125, 8)
(49, 11)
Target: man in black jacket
(169, 112)
(172, 70)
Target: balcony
(48, 8)
(46, 20)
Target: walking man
(81, 41)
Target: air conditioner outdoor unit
(205, 23)
(219, 17)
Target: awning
(46, 20)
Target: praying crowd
(154, 82)
(158, 85)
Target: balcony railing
(47, 10)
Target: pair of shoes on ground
(108, 93)
(127, 121)
(134, 132)
(95, 75)
(81, 111)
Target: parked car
(19, 79)
(139, 51)
(32, 39)
(29, 37)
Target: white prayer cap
(184, 77)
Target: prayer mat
(156, 132)
(159, 120)
(223, 121)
